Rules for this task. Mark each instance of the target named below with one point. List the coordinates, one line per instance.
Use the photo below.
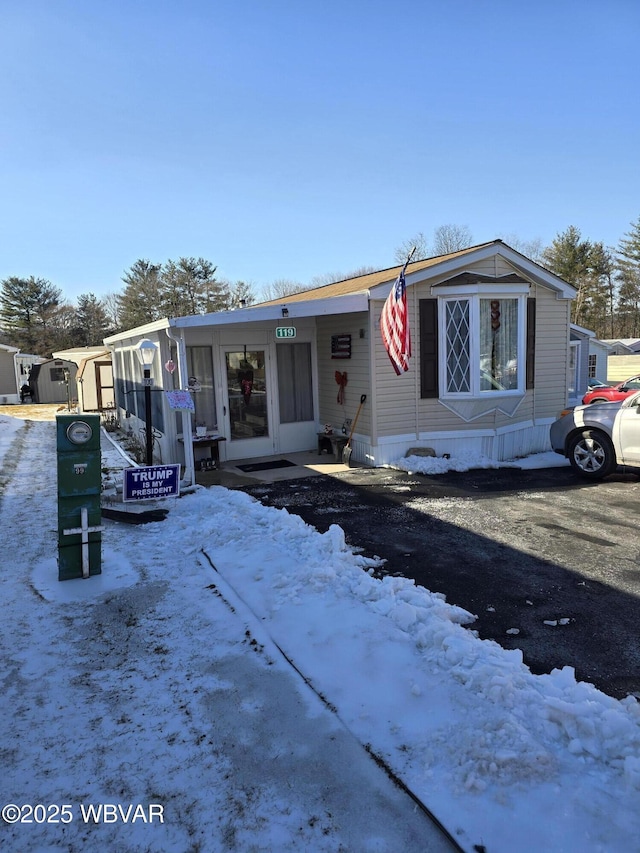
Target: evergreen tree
(570, 258)
(628, 276)
(141, 301)
(92, 324)
(27, 313)
(176, 289)
(598, 292)
(189, 286)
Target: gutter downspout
(187, 431)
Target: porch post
(187, 431)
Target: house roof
(365, 282)
(354, 294)
(632, 343)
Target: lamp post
(146, 350)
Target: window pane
(247, 390)
(458, 351)
(498, 344)
(200, 367)
(294, 383)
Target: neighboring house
(622, 346)
(489, 371)
(94, 377)
(598, 360)
(54, 381)
(8, 381)
(579, 343)
(621, 367)
(15, 370)
(587, 360)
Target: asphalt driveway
(549, 563)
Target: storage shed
(54, 381)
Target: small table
(335, 442)
(211, 440)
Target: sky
(288, 140)
(235, 669)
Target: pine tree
(189, 287)
(628, 265)
(598, 292)
(570, 258)
(92, 324)
(141, 301)
(27, 311)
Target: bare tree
(112, 308)
(241, 294)
(451, 238)
(332, 277)
(280, 288)
(532, 249)
(422, 248)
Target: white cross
(85, 530)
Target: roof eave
(349, 304)
(138, 332)
(519, 262)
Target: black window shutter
(429, 348)
(531, 342)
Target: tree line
(35, 317)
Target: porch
(269, 469)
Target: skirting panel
(503, 447)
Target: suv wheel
(591, 454)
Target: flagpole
(409, 256)
(394, 322)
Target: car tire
(591, 454)
(599, 400)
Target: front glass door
(247, 395)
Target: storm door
(249, 429)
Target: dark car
(596, 439)
(593, 384)
(611, 393)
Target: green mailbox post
(79, 487)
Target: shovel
(346, 453)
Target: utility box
(79, 489)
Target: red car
(613, 393)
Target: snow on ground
(466, 461)
(164, 683)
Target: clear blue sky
(283, 139)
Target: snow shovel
(346, 453)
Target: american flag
(394, 325)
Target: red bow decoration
(341, 379)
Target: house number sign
(285, 331)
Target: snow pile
(166, 680)
(467, 461)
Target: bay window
(483, 348)
(477, 345)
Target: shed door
(104, 385)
